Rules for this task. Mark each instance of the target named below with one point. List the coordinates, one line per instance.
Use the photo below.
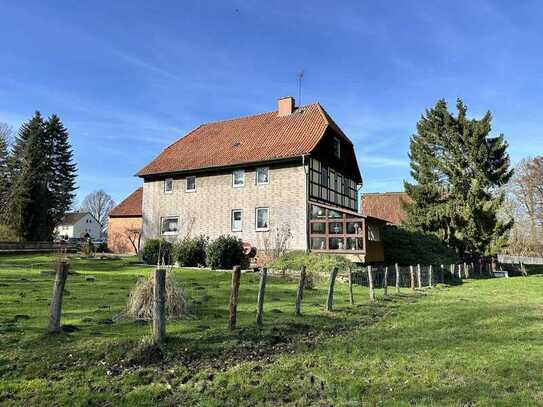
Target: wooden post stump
(385, 282)
(397, 268)
(331, 283)
(234, 294)
(351, 298)
(260, 298)
(58, 293)
(300, 292)
(159, 306)
(412, 276)
(370, 284)
(419, 279)
(430, 276)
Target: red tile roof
(130, 207)
(386, 206)
(262, 137)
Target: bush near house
(155, 248)
(191, 252)
(407, 247)
(224, 252)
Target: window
(336, 243)
(318, 228)
(374, 233)
(317, 212)
(238, 178)
(262, 175)
(262, 219)
(236, 220)
(318, 243)
(169, 225)
(336, 228)
(337, 147)
(168, 185)
(191, 184)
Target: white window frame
(337, 143)
(234, 229)
(187, 183)
(234, 179)
(165, 183)
(168, 233)
(258, 229)
(256, 176)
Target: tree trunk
(58, 293)
(397, 278)
(159, 306)
(234, 294)
(331, 283)
(260, 298)
(300, 292)
(370, 285)
(351, 298)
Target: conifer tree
(458, 169)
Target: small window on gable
(337, 147)
(262, 175)
(191, 184)
(168, 185)
(236, 220)
(262, 219)
(238, 178)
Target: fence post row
(159, 306)
(300, 292)
(58, 294)
(370, 284)
(351, 298)
(260, 297)
(397, 278)
(331, 283)
(385, 285)
(234, 294)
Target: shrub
(153, 248)
(224, 252)
(191, 252)
(140, 301)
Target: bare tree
(133, 234)
(275, 243)
(99, 204)
(6, 133)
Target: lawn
(478, 343)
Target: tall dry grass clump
(140, 301)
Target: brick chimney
(285, 106)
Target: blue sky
(128, 78)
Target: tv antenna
(300, 77)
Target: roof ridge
(331, 122)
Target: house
(124, 225)
(78, 225)
(386, 206)
(248, 177)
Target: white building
(78, 225)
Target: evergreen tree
(63, 169)
(458, 169)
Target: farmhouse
(292, 168)
(78, 225)
(124, 225)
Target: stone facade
(117, 240)
(208, 210)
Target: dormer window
(337, 148)
(168, 185)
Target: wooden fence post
(460, 271)
(370, 285)
(385, 285)
(442, 273)
(451, 270)
(300, 292)
(58, 293)
(234, 294)
(412, 275)
(430, 276)
(260, 297)
(351, 298)
(466, 271)
(419, 280)
(397, 278)
(331, 283)
(159, 306)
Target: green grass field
(478, 343)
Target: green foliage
(7, 234)
(87, 247)
(407, 247)
(155, 249)
(314, 262)
(224, 252)
(457, 168)
(191, 252)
